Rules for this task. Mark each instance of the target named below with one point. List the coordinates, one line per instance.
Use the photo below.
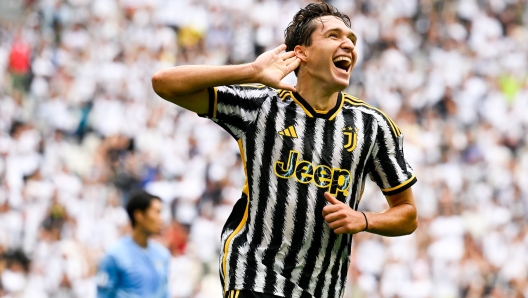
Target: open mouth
(343, 63)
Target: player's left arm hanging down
(400, 219)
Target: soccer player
(307, 151)
(136, 266)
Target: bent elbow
(413, 226)
(412, 221)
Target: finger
(284, 86)
(340, 230)
(331, 209)
(287, 55)
(279, 49)
(332, 217)
(290, 60)
(293, 66)
(331, 199)
(337, 224)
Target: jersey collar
(311, 112)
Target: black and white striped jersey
(276, 240)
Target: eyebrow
(352, 36)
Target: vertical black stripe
(358, 174)
(297, 241)
(350, 120)
(344, 163)
(347, 157)
(232, 223)
(269, 142)
(343, 247)
(387, 166)
(280, 208)
(313, 251)
(345, 263)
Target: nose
(348, 45)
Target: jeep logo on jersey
(337, 180)
(351, 135)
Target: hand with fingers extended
(272, 66)
(341, 218)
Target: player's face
(332, 55)
(152, 222)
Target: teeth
(341, 58)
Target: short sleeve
(107, 278)
(389, 168)
(236, 107)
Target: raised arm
(187, 85)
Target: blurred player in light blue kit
(136, 266)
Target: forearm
(184, 80)
(396, 221)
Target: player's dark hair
(299, 31)
(139, 200)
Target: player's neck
(318, 97)
(140, 237)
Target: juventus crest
(350, 137)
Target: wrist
(366, 222)
(252, 72)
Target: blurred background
(80, 127)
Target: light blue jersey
(131, 271)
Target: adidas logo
(289, 132)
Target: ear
(138, 216)
(300, 52)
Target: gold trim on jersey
(300, 104)
(319, 112)
(358, 102)
(242, 156)
(244, 218)
(282, 93)
(254, 85)
(340, 107)
(233, 294)
(399, 186)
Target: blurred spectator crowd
(80, 127)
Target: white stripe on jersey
(309, 229)
(271, 205)
(291, 208)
